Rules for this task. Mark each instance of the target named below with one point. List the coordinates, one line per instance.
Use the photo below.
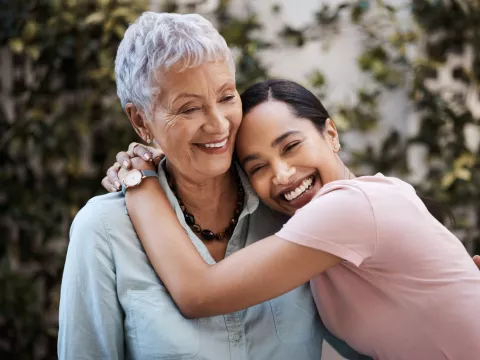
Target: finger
(157, 152)
(143, 152)
(476, 258)
(122, 173)
(123, 159)
(157, 160)
(112, 176)
(131, 147)
(107, 185)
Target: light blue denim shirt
(113, 305)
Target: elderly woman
(176, 81)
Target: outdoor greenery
(61, 122)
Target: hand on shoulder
(476, 259)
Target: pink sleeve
(339, 221)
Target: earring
(148, 139)
(337, 148)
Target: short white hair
(158, 41)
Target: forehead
(209, 75)
(271, 119)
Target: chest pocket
(158, 328)
(296, 317)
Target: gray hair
(158, 41)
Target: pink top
(407, 289)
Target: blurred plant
(60, 121)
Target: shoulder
(364, 192)
(340, 210)
(94, 223)
(345, 197)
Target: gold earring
(148, 139)
(336, 148)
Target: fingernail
(125, 163)
(117, 184)
(147, 156)
(113, 189)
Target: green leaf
(119, 30)
(33, 51)
(30, 30)
(94, 18)
(121, 12)
(16, 45)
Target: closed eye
(290, 146)
(228, 98)
(255, 169)
(189, 110)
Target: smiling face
(287, 158)
(195, 119)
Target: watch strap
(148, 173)
(145, 174)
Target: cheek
(235, 117)
(262, 185)
(174, 136)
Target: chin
(212, 169)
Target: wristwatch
(134, 178)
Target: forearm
(168, 247)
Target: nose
(216, 122)
(283, 174)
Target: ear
(138, 120)
(331, 132)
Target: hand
(111, 182)
(476, 259)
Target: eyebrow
(226, 84)
(250, 157)
(279, 139)
(187, 95)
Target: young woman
(387, 277)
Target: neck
(344, 172)
(211, 201)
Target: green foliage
(440, 31)
(61, 123)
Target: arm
(252, 275)
(90, 316)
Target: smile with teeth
(216, 145)
(303, 187)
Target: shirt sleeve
(90, 315)
(339, 221)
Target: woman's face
(196, 118)
(286, 158)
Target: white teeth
(304, 186)
(216, 145)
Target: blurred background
(400, 78)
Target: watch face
(133, 178)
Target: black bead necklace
(190, 219)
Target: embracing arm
(90, 316)
(262, 271)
